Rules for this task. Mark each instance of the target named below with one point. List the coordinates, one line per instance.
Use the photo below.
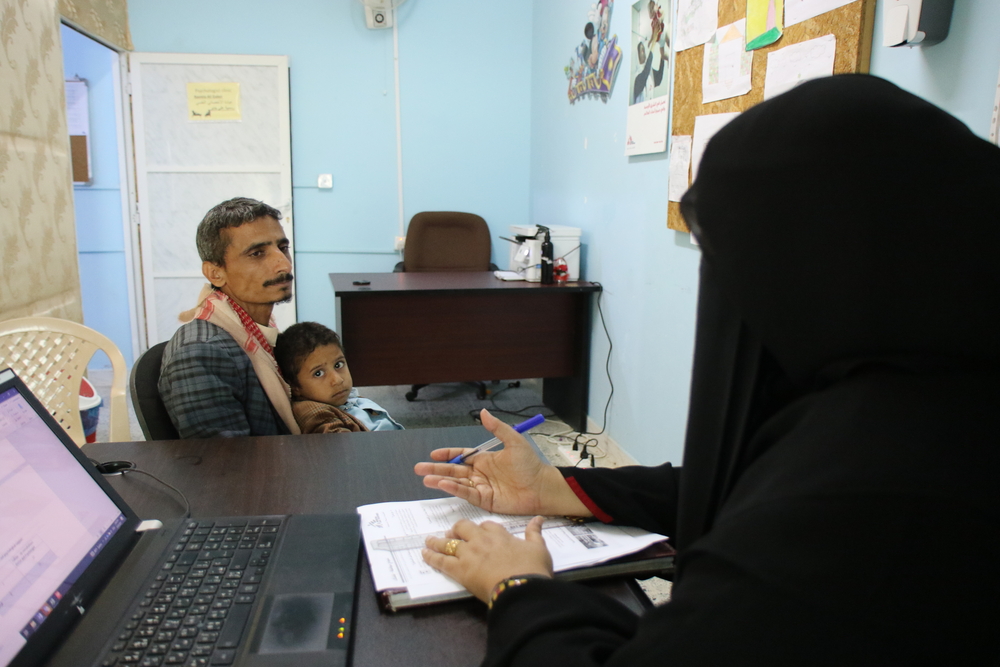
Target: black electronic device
(85, 578)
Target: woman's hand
(511, 481)
(483, 555)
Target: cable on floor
(607, 370)
(520, 412)
(579, 440)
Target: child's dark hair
(297, 342)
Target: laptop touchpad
(298, 623)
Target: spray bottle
(547, 274)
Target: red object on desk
(560, 271)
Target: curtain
(38, 263)
(106, 19)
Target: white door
(187, 161)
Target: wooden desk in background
(422, 328)
(316, 474)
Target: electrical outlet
(573, 457)
(324, 181)
(399, 243)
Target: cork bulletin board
(851, 24)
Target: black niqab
(837, 504)
(845, 225)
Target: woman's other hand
(481, 556)
(510, 481)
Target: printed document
(394, 534)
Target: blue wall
(581, 177)
(487, 127)
(465, 114)
(98, 206)
(960, 73)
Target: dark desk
(421, 328)
(323, 474)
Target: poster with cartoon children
(591, 71)
(649, 78)
(650, 70)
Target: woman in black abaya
(837, 502)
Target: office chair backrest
(51, 355)
(447, 241)
(149, 408)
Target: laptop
(84, 581)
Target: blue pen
(495, 442)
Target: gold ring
(450, 547)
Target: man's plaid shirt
(209, 386)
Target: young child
(324, 400)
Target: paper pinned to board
(705, 128)
(680, 166)
(797, 11)
(77, 114)
(765, 22)
(394, 535)
(727, 65)
(697, 21)
(790, 66)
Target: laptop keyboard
(195, 611)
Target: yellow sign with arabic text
(214, 101)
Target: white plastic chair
(50, 355)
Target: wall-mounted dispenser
(379, 13)
(915, 22)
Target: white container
(526, 257)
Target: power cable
(607, 370)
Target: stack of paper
(394, 534)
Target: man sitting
(219, 376)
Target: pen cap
(529, 424)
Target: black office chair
(446, 241)
(149, 408)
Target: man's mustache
(280, 280)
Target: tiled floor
(101, 379)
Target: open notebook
(394, 534)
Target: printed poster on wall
(212, 101)
(591, 72)
(649, 77)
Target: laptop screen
(54, 520)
